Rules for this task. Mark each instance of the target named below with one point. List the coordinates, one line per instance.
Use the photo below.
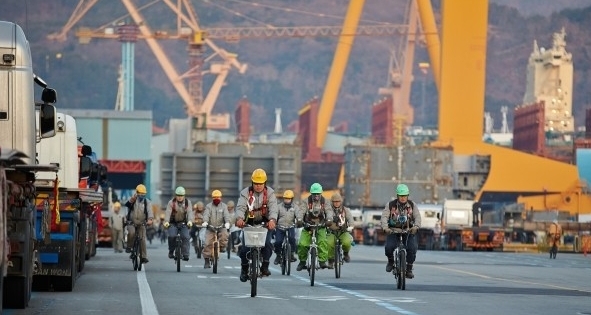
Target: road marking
(361, 296)
(321, 298)
(148, 304)
(243, 296)
(511, 280)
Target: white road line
(148, 304)
(361, 296)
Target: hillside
(286, 72)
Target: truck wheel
(18, 295)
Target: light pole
(424, 66)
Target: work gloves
(205, 224)
(189, 224)
(166, 225)
(414, 229)
(227, 225)
(349, 228)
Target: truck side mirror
(47, 121)
(85, 166)
(49, 96)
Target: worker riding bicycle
(257, 205)
(314, 213)
(179, 210)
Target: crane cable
(285, 9)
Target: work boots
(293, 257)
(390, 265)
(244, 273)
(301, 265)
(346, 257)
(277, 260)
(409, 273)
(171, 254)
(265, 269)
(207, 264)
(330, 263)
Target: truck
(428, 235)
(467, 224)
(66, 207)
(19, 131)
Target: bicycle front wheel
(313, 263)
(177, 256)
(402, 274)
(216, 256)
(229, 245)
(287, 258)
(254, 271)
(199, 247)
(337, 260)
(135, 259)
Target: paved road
(445, 283)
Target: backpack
(128, 217)
(264, 206)
(310, 201)
(392, 204)
(173, 212)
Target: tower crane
(187, 29)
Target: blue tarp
(584, 165)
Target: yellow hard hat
(216, 194)
(288, 194)
(140, 189)
(259, 176)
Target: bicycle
(230, 244)
(254, 238)
(553, 250)
(399, 269)
(285, 259)
(312, 260)
(197, 243)
(215, 257)
(338, 253)
(136, 252)
(178, 246)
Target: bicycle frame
(312, 259)
(338, 253)
(255, 260)
(215, 246)
(286, 251)
(178, 246)
(136, 252)
(399, 269)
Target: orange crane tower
(543, 184)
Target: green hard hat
(180, 191)
(316, 188)
(402, 190)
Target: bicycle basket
(254, 236)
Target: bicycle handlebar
(308, 225)
(399, 231)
